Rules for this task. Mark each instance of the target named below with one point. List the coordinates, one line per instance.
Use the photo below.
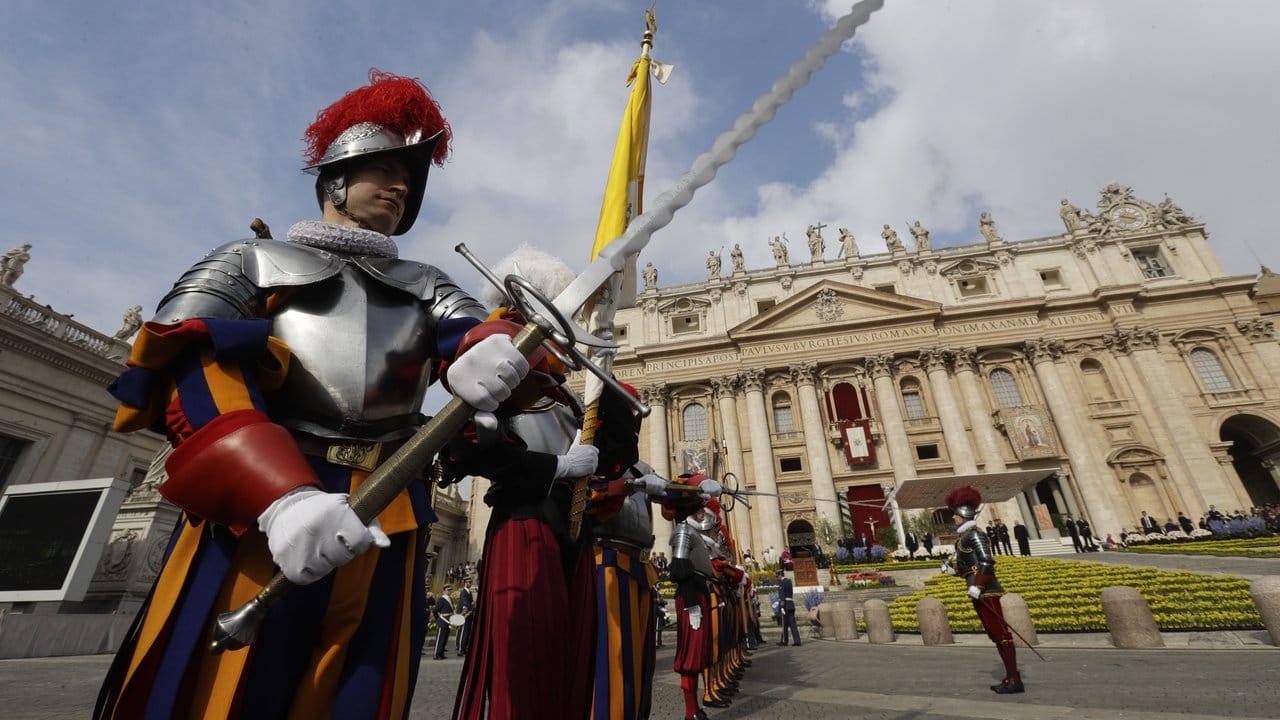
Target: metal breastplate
(633, 525)
(361, 358)
(548, 427)
(686, 543)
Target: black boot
(1009, 686)
(700, 715)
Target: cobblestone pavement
(826, 680)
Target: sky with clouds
(140, 135)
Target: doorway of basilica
(1255, 455)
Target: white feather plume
(548, 273)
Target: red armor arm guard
(233, 468)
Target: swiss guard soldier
(691, 569)
(283, 372)
(975, 562)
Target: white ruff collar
(343, 238)
(965, 526)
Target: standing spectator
(912, 543)
(1086, 535)
(1074, 531)
(928, 542)
(1149, 524)
(787, 606)
(1214, 514)
(466, 603)
(1023, 537)
(1002, 532)
(768, 555)
(1185, 523)
(993, 537)
(785, 558)
(1170, 525)
(444, 609)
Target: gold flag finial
(650, 28)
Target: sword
(238, 628)
(1000, 616)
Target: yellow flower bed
(1064, 596)
(1267, 547)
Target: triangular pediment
(831, 304)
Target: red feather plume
(961, 496)
(400, 103)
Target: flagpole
(622, 201)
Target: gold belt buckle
(644, 555)
(355, 454)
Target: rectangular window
(973, 287)
(682, 324)
(10, 452)
(763, 306)
(1051, 278)
(914, 404)
(927, 452)
(790, 464)
(886, 289)
(782, 420)
(620, 334)
(1151, 263)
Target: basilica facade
(1117, 357)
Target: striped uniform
(346, 646)
(625, 627)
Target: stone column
(1161, 434)
(655, 396)
(770, 512)
(815, 444)
(1087, 469)
(1262, 333)
(880, 368)
(1210, 485)
(726, 389)
(979, 414)
(934, 361)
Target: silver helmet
(362, 141)
(392, 115)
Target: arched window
(1210, 370)
(783, 421)
(1005, 388)
(1096, 382)
(694, 422)
(912, 400)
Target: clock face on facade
(1127, 217)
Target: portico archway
(1255, 455)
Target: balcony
(1232, 398)
(63, 328)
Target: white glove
(946, 567)
(652, 484)
(579, 461)
(709, 489)
(311, 532)
(975, 592)
(487, 372)
(695, 617)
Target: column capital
(965, 359)
(726, 386)
(879, 366)
(1117, 342)
(934, 358)
(803, 373)
(1042, 350)
(753, 379)
(1257, 329)
(653, 395)
(1144, 338)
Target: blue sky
(140, 135)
